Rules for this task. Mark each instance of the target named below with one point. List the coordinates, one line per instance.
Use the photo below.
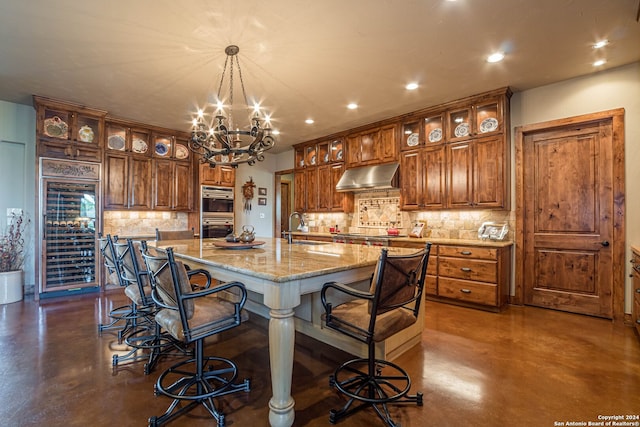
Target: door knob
(605, 243)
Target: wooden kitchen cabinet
(423, 178)
(122, 137)
(482, 117)
(478, 276)
(127, 182)
(68, 131)
(635, 309)
(476, 173)
(305, 190)
(330, 200)
(171, 181)
(318, 168)
(223, 176)
(373, 146)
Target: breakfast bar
(282, 274)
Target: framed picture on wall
(262, 201)
(262, 191)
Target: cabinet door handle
(465, 291)
(465, 269)
(465, 253)
(605, 243)
(638, 290)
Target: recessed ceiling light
(352, 106)
(600, 44)
(495, 57)
(309, 121)
(412, 86)
(599, 62)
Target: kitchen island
(284, 275)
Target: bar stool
(191, 316)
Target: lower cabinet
(470, 275)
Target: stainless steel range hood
(377, 177)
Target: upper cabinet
(456, 156)
(68, 131)
(147, 168)
(372, 146)
(483, 117)
(318, 167)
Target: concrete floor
(522, 367)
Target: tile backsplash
(382, 206)
(142, 224)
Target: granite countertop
(278, 261)
(434, 240)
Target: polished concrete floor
(523, 367)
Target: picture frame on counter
(493, 231)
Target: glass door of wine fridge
(69, 224)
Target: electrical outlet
(261, 215)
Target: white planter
(10, 286)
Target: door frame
(618, 245)
(278, 200)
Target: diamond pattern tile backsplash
(379, 212)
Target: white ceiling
(154, 61)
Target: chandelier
(216, 141)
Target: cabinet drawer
(469, 269)
(468, 252)
(468, 291)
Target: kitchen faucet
(302, 224)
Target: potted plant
(12, 253)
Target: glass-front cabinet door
(433, 129)
(411, 137)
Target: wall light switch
(261, 215)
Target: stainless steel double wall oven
(216, 211)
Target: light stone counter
(288, 279)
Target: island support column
(281, 299)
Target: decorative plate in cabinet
(182, 152)
(162, 148)
(56, 127)
(116, 142)
(139, 145)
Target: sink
(308, 242)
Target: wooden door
(571, 255)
